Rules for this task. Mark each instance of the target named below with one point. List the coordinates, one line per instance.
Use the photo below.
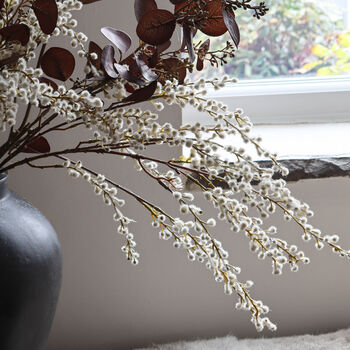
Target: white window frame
(284, 101)
(297, 117)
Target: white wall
(107, 304)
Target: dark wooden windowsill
(315, 168)
(307, 168)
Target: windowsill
(301, 169)
(309, 151)
(315, 167)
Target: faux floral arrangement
(38, 81)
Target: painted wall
(107, 304)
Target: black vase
(30, 273)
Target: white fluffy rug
(339, 340)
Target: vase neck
(4, 191)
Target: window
(294, 38)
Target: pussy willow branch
(21, 4)
(99, 150)
(120, 145)
(155, 210)
(122, 188)
(20, 139)
(42, 156)
(183, 170)
(26, 116)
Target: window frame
(283, 101)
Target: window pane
(295, 38)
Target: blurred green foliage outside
(280, 43)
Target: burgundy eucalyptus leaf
(214, 25)
(156, 27)
(188, 39)
(130, 89)
(146, 72)
(94, 48)
(47, 13)
(202, 51)
(200, 64)
(232, 26)
(127, 75)
(48, 82)
(1, 4)
(119, 38)
(58, 63)
(16, 32)
(143, 6)
(107, 61)
(142, 94)
(37, 145)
